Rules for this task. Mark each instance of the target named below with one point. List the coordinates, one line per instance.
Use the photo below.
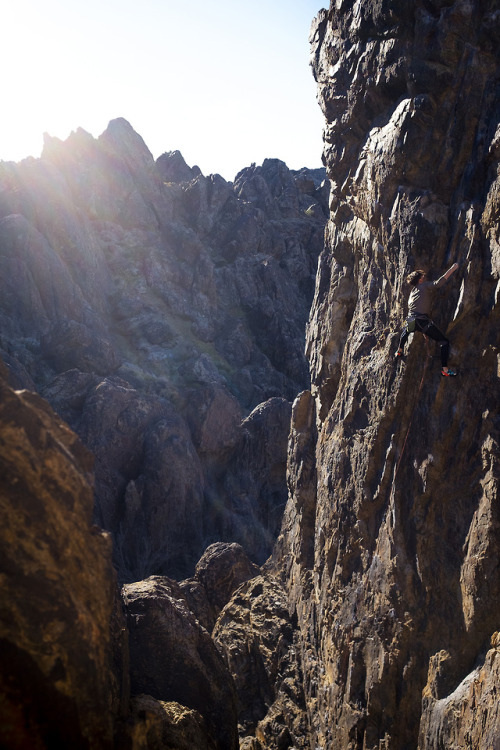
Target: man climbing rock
(419, 308)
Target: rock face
(166, 725)
(258, 639)
(220, 571)
(172, 658)
(390, 540)
(77, 669)
(62, 679)
(155, 309)
(375, 624)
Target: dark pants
(424, 325)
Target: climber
(418, 321)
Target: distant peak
(119, 124)
(120, 136)
(173, 168)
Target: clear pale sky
(225, 82)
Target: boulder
(219, 572)
(166, 725)
(221, 569)
(173, 659)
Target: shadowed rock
(172, 658)
(219, 572)
(256, 636)
(173, 304)
(166, 724)
(62, 665)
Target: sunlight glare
(226, 84)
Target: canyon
(211, 540)
(161, 313)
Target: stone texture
(148, 478)
(173, 658)
(161, 725)
(148, 295)
(469, 716)
(256, 636)
(387, 559)
(69, 656)
(253, 479)
(390, 538)
(220, 571)
(63, 674)
(374, 626)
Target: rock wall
(155, 309)
(63, 679)
(80, 665)
(374, 625)
(389, 547)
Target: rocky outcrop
(390, 539)
(80, 667)
(155, 309)
(173, 658)
(257, 638)
(468, 715)
(166, 725)
(63, 674)
(219, 572)
(253, 479)
(374, 626)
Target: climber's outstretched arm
(451, 270)
(445, 276)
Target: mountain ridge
(153, 306)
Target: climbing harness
(424, 323)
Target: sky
(225, 82)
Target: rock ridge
(157, 309)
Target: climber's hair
(414, 277)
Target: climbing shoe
(399, 354)
(449, 373)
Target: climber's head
(416, 277)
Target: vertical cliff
(389, 548)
